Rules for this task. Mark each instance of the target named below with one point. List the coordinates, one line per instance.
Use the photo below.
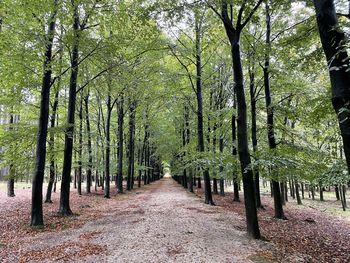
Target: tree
(333, 41)
(37, 187)
(270, 115)
(234, 35)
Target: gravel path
(162, 223)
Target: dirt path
(163, 223)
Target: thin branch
(251, 14)
(240, 14)
(185, 67)
(289, 28)
(79, 62)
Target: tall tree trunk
(270, 117)
(333, 40)
(11, 177)
(108, 146)
(234, 35)
(321, 192)
(11, 182)
(297, 192)
(64, 208)
(254, 133)
(234, 153)
(131, 145)
(283, 194)
(221, 138)
(188, 135)
(140, 158)
(120, 143)
(213, 108)
(200, 131)
(215, 182)
(80, 147)
(52, 148)
(40, 157)
(145, 180)
(88, 130)
(54, 118)
(336, 189)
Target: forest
(174, 131)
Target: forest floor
(162, 222)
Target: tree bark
(11, 177)
(221, 138)
(254, 133)
(120, 143)
(333, 40)
(108, 146)
(40, 157)
(80, 147)
(234, 153)
(336, 189)
(200, 131)
(297, 193)
(234, 35)
(52, 149)
(131, 145)
(270, 117)
(64, 208)
(188, 134)
(11, 183)
(88, 130)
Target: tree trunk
(254, 134)
(80, 147)
(11, 177)
(201, 147)
(188, 134)
(333, 40)
(131, 145)
(336, 189)
(270, 117)
(215, 182)
(342, 197)
(40, 157)
(11, 183)
(302, 191)
(108, 146)
(344, 194)
(88, 130)
(297, 192)
(234, 153)
(292, 188)
(64, 208)
(221, 139)
(286, 191)
(321, 193)
(242, 127)
(140, 158)
(199, 181)
(283, 193)
(120, 143)
(52, 148)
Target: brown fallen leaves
(307, 236)
(15, 229)
(68, 251)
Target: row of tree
(287, 158)
(151, 83)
